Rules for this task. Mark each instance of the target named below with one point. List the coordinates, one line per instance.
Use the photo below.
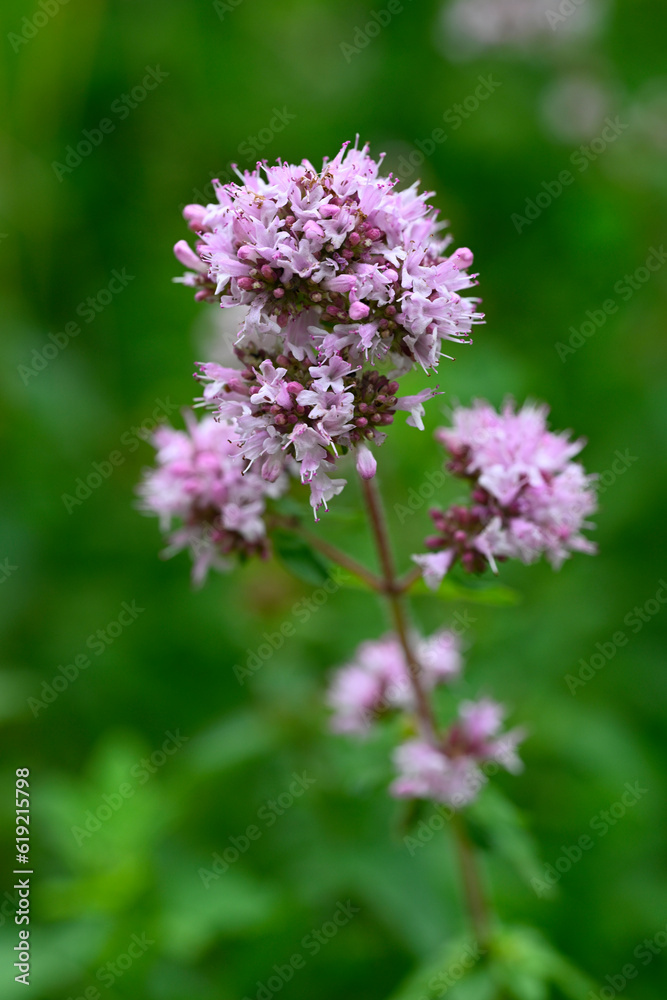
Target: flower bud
(366, 464)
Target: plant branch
(393, 592)
(409, 578)
(472, 884)
(332, 552)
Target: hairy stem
(393, 591)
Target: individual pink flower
(366, 462)
(453, 772)
(528, 497)
(377, 679)
(201, 481)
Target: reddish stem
(393, 591)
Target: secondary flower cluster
(455, 770)
(528, 497)
(447, 768)
(307, 412)
(201, 480)
(339, 273)
(377, 680)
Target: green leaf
(496, 825)
(350, 581)
(517, 964)
(347, 515)
(232, 742)
(201, 906)
(64, 950)
(493, 594)
(299, 558)
(459, 969)
(525, 963)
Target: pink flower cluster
(377, 680)
(201, 480)
(453, 772)
(528, 497)
(307, 412)
(447, 768)
(338, 272)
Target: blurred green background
(68, 568)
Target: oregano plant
(342, 284)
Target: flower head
(338, 273)
(201, 481)
(332, 260)
(529, 497)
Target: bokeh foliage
(172, 669)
